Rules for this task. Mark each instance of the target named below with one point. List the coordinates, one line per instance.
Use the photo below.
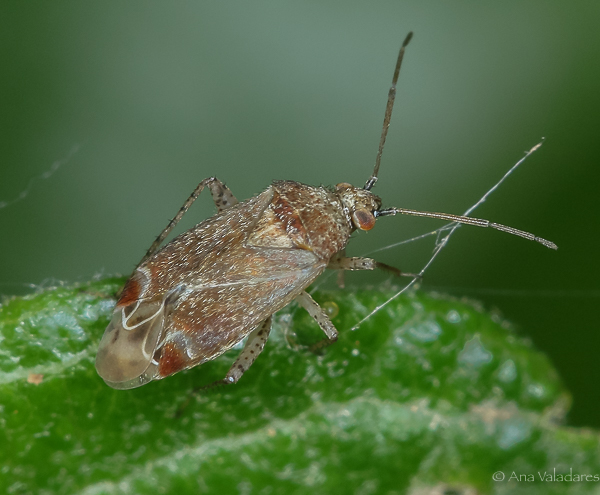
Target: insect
(220, 282)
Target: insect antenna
(478, 222)
(388, 113)
(441, 216)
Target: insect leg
(341, 262)
(254, 346)
(333, 265)
(221, 195)
(309, 304)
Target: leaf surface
(429, 392)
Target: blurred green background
(142, 100)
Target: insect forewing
(127, 347)
(209, 288)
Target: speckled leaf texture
(431, 395)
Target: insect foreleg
(221, 195)
(309, 304)
(342, 262)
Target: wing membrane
(128, 344)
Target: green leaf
(429, 392)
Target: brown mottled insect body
(210, 287)
(221, 281)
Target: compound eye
(363, 219)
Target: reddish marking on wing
(131, 293)
(289, 218)
(155, 271)
(171, 360)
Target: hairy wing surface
(202, 293)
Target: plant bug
(221, 281)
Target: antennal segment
(478, 222)
(388, 113)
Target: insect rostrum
(221, 281)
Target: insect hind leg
(221, 195)
(253, 347)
